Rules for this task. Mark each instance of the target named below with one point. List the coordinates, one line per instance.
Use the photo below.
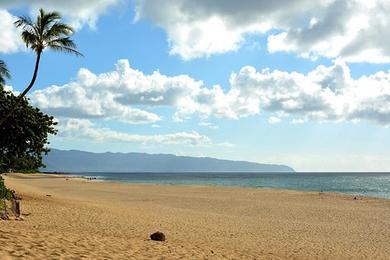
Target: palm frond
(24, 21)
(4, 73)
(65, 41)
(61, 48)
(47, 31)
(46, 19)
(58, 30)
(29, 38)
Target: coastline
(96, 179)
(114, 220)
(96, 176)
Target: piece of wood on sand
(16, 207)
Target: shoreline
(105, 220)
(96, 179)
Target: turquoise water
(366, 184)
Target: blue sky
(290, 83)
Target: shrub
(23, 136)
(4, 192)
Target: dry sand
(96, 220)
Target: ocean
(365, 184)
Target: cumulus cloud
(274, 120)
(79, 12)
(120, 95)
(10, 40)
(85, 129)
(327, 93)
(324, 94)
(201, 28)
(94, 96)
(355, 30)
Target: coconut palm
(4, 73)
(46, 32)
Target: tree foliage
(24, 136)
(4, 72)
(4, 192)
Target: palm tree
(47, 32)
(4, 73)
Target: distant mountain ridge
(79, 161)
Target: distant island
(80, 161)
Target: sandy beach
(75, 218)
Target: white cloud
(354, 30)
(85, 129)
(94, 96)
(11, 89)
(208, 125)
(10, 40)
(198, 28)
(274, 120)
(79, 12)
(115, 95)
(324, 94)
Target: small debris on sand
(158, 236)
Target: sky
(302, 83)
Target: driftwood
(15, 204)
(3, 211)
(14, 207)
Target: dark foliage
(24, 136)
(4, 192)
(4, 73)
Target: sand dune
(96, 220)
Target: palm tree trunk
(21, 96)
